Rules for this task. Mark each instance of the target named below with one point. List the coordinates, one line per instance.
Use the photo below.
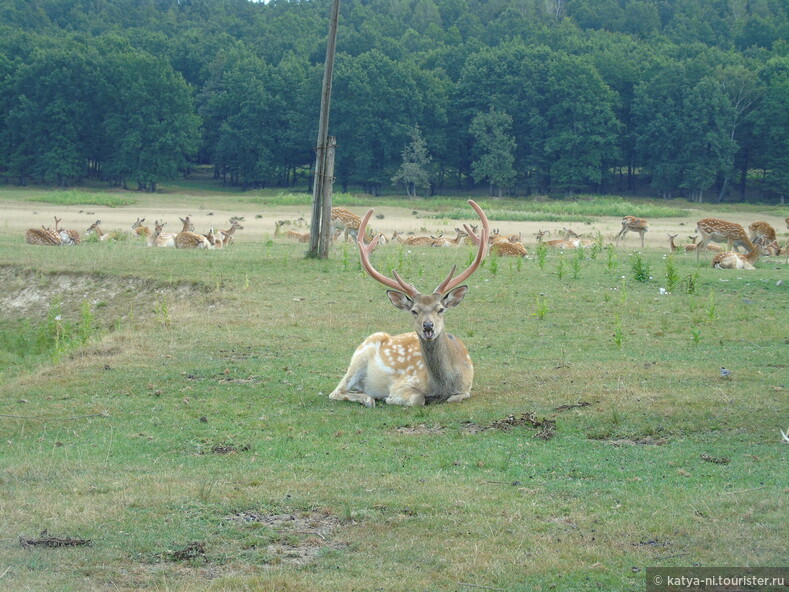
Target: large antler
(364, 252)
(481, 241)
(449, 283)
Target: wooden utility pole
(324, 166)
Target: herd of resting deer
(430, 365)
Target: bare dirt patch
(30, 293)
(546, 428)
(300, 537)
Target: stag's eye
(413, 312)
(441, 310)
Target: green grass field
(170, 408)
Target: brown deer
(495, 237)
(141, 230)
(67, 237)
(681, 248)
(425, 366)
(302, 237)
(227, 235)
(633, 224)
(556, 243)
(720, 231)
(103, 236)
(189, 239)
(344, 221)
(42, 236)
(161, 239)
(450, 242)
(761, 233)
(734, 260)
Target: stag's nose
(427, 326)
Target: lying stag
(426, 366)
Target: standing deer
(425, 366)
(721, 231)
(67, 237)
(631, 223)
(345, 221)
(761, 233)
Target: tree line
(686, 97)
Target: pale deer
(157, 238)
(715, 229)
(67, 237)
(734, 260)
(141, 230)
(556, 243)
(419, 241)
(761, 233)
(425, 366)
(188, 239)
(575, 238)
(42, 236)
(103, 236)
(633, 224)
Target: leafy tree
(772, 127)
(494, 150)
(413, 172)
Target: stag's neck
(445, 360)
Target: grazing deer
(425, 366)
(161, 239)
(103, 236)
(633, 224)
(734, 260)
(141, 230)
(345, 221)
(42, 236)
(715, 229)
(227, 235)
(761, 233)
(67, 237)
(556, 243)
(189, 239)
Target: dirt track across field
(259, 221)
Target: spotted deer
(720, 231)
(67, 236)
(42, 236)
(495, 237)
(761, 233)
(633, 224)
(508, 249)
(344, 221)
(158, 238)
(460, 236)
(141, 230)
(189, 239)
(734, 260)
(426, 366)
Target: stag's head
(427, 310)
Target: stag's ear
(400, 300)
(455, 297)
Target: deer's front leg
(407, 392)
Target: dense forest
(665, 97)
